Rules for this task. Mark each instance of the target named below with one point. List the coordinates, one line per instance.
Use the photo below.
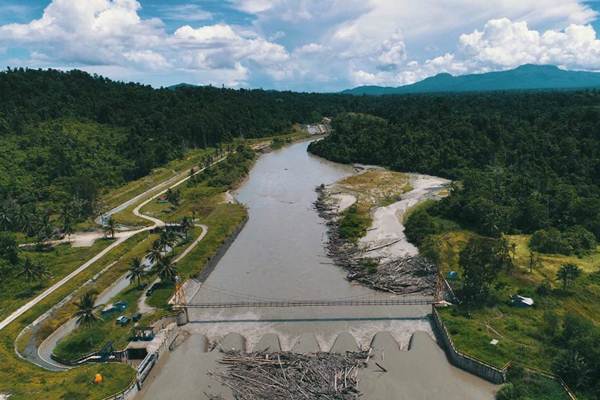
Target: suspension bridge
(311, 303)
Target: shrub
(353, 225)
(574, 240)
(507, 392)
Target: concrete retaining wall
(214, 260)
(463, 361)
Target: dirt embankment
(383, 259)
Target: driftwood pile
(404, 275)
(292, 376)
(400, 276)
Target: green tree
(86, 314)
(136, 271)
(534, 261)
(567, 273)
(9, 250)
(186, 225)
(156, 251)
(481, 260)
(110, 228)
(166, 269)
(33, 271)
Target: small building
(521, 301)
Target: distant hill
(181, 86)
(525, 77)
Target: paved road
(123, 236)
(46, 348)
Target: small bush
(507, 392)
(353, 224)
(574, 240)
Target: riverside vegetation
(524, 164)
(525, 191)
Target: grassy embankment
(24, 380)
(373, 188)
(61, 260)
(86, 340)
(520, 331)
(202, 197)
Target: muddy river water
(280, 255)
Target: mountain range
(525, 77)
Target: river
(280, 255)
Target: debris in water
(292, 376)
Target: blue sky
(307, 45)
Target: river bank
(280, 255)
(380, 257)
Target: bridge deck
(313, 303)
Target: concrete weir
(392, 373)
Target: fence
(463, 361)
(170, 334)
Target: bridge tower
(439, 288)
(180, 299)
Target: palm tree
(33, 271)
(67, 219)
(186, 224)
(534, 261)
(136, 271)
(110, 227)
(567, 274)
(156, 252)
(167, 238)
(86, 309)
(165, 269)
(44, 229)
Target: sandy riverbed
(387, 226)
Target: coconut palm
(110, 227)
(86, 309)
(44, 229)
(156, 252)
(136, 271)
(165, 269)
(186, 224)
(567, 274)
(167, 238)
(33, 271)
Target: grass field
(24, 380)
(519, 331)
(116, 196)
(61, 260)
(85, 340)
(375, 187)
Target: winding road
(122, 237)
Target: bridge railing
(314, 303)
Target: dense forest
(523, 161)
(526, 161)
(65, 136)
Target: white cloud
(310, 44)
(504, 43)
(111, 33)
(501, 44)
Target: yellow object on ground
(98, 379)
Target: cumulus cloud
(309, 44)
(504, 43)
(111, 33)
(501, 44)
